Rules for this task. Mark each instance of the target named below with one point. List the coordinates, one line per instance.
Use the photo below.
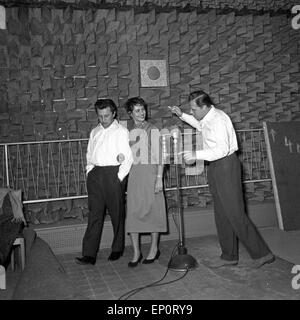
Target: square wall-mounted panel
(153, 73)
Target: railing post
(6, 164)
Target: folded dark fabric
(9, 231)
(6, 213)
(15, 197)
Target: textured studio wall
(56, 60)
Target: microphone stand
(181, 261)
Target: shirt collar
(210, 114)
(113, 125)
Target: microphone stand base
(182, 262)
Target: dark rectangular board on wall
(283, 147)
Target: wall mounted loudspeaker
(153, 73)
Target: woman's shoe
(132, 264)
(147, 261)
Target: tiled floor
(111, 280)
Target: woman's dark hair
(130, 103)
(201, 98)
(106, 103)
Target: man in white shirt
(224, 177)
(109, 159)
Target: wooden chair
(20, 243)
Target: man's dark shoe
(219, 262)
(115, 255)
(85, 260)
(269, 258)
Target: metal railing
(55, 170)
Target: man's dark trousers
(104, 192)
(232, 222)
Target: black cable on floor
(156, 283)
(141, 288)
(160, 284)
(136, 290)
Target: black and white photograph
(149, 153)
